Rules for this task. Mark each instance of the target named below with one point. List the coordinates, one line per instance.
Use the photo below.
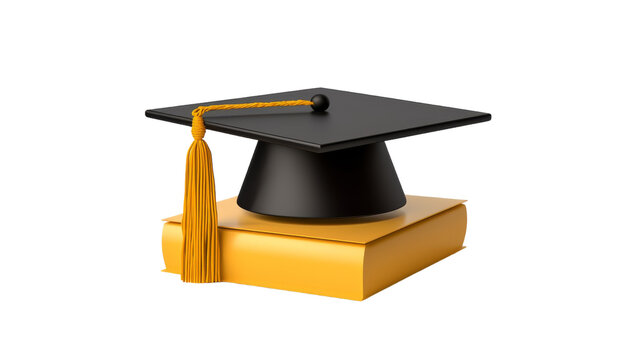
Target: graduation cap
(318, 158)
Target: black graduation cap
(320, 164)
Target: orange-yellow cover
(348, 258)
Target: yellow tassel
(200, 236)
(201, 252)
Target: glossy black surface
(320, 102)
(351, 120)
(358, 181)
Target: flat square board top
(351, 120)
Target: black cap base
(284, 181)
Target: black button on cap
(320, 103)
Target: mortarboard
(320, 158)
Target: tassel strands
(201, 255)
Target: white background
(553, 262)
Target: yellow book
(351, 258)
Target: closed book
(351, 258)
